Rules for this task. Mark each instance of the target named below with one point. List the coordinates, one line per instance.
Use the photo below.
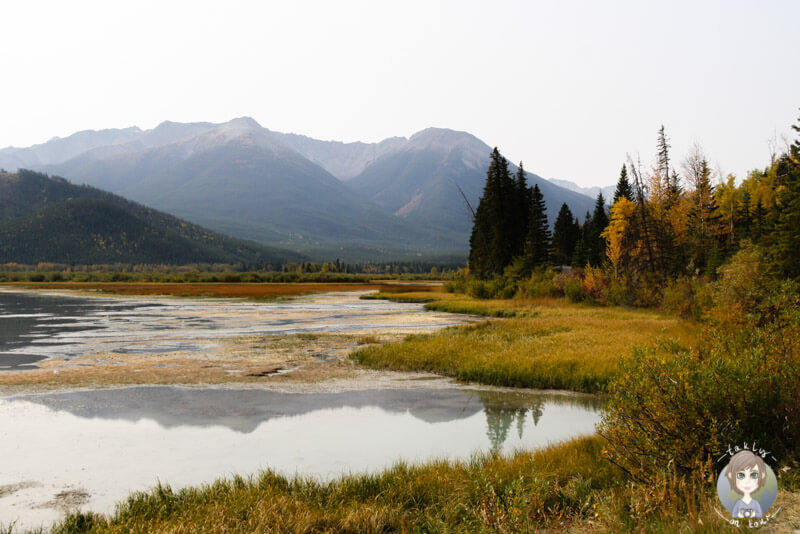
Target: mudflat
(297, 343)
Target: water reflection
(244, 410)
(111, 442)
(504, 410)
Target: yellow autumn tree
(617, 247)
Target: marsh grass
(546, 343)
(550, 487)
(562, 488)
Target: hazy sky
(567, 87)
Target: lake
(89, 448)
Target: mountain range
(323, 198)
(607, 191)
(50, 219)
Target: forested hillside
(45, 219)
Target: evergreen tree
(580, 257)
(624, 189)
(537, 243)
(566, 233)
(744, 220)
(787, 228)
(491, 241)
(522, 206)
(595, 244)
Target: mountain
(237, 179)
(608, 190)
(420, 181)
(396, 198)
(49, 219)
(58, 150)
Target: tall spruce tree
(580, 257)
(491, 241)
(595, 244)
(786, 238)
(624, 189)
(522, 207)
(566, 233)
(537, 242)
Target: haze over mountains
(325, 198)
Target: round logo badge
(747, 487)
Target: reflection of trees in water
(504, 409)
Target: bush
(619, 294)
(479, 289)
(540, 284)
(690, 298)
(742, 384)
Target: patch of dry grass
(221, 290)
(548, 343)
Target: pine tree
(522, 206)
(743, 217)
(537, 243)
(582, 249)
(596, 244)
(491, 241)
(624, 189)
(787, 228)
(566, 233)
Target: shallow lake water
(36, 326)
(92, 448)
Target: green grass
(547, 343)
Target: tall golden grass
(547, 343)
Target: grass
(561, 488)
(220, 290)
(546, 343)
(483, 494)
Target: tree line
(662, 222)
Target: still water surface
(100, 445)
(35, 326)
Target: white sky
(567, 87)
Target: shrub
(690, 298)
(479, 289)
(742, 384)
(540, 284)
(595, 285)
(619, 294)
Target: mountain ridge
(45, 218)
(294, 191)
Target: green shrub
(479, 289)
(541, 283)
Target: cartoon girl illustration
(747, 473)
